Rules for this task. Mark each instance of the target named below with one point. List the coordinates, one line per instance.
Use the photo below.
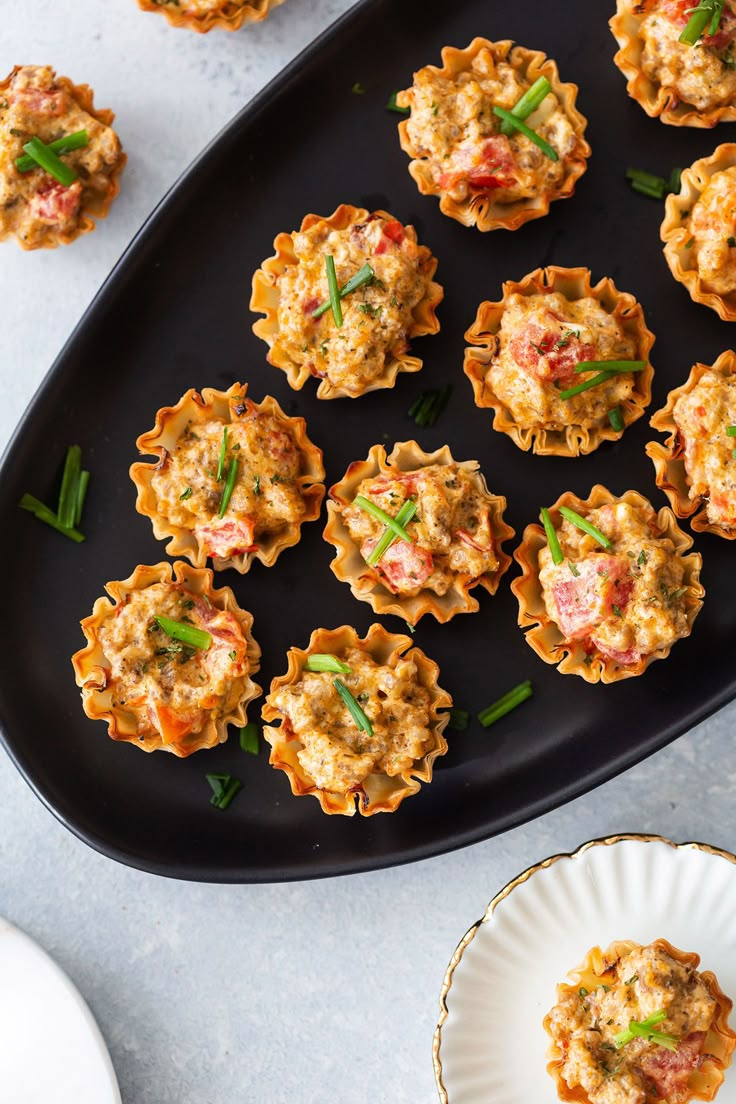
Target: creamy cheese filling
(377, 317)
(169, 687)
(713, 233)
(453, 127)
(703, 416)
(541, 339)
(33, 205)
(703, 75)
(338, 755)
(451, 529)
(626, 603)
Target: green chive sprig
(580, 523)
(321, 662)
(223, 454)
(504, 705)
(427, 407)
(393, 106)
(38, 509)
(232, 475)
(335, 303)
(528, 103)
(78, 140)
(187, 634)
(50, 162)
(704, 13)
(552, 538)
(616, 419)
(532, 135)
(459, 720)
(364, 275)
(404, 516)
(615, 367)
(656, 187)
(74, 483)
(354, 709)
(224, 788)
(249, 738)
(645, 1030)
(380, 515)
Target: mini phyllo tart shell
(669, 459)
(377, 791)
(312, 358)
(599, 969)
(681, 246)
(226, 15)
(482, 206)
(586, 433)
(58, 214)
(149, 723)
(179, 424)
(657, 99)
(367, 583)
(580, 656)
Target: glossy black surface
(174, 314)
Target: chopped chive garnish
(232, 475)
(528, 103)
(427, 407)
(459, 720)
(616, 419)
(224, 788)
(223, 453)
(187, 634)
(731, 431)
(335, 304)
(581, 523)
(82, 485)
(532, 135)
(38, 509)
(44, 156)
(505, 704)
(358, 89)
(74, 141)
(355, 711)
(552, 539)
(601, 377)
(380, 515)
(582, 992)
(650, 184)
(404, 516)
(645, 1030)
(249, 738)
(619, 367)
(319, 662)
(364, 275)
(186, 493)
(704, 13)
(393, 106)
(67, 509)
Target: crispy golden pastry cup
(265, 299)
(675, 230)
(573, 283)
(597, 968)
(482, 209)
(194, 409)
(657, 100)
(95, 206)
(365, 583)
(230, 15)
(543, 634)
(379, 792)
(669, 458)
(91, 665)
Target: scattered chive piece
(44, 156)
(355, 711)
(586, 527)
(690, 243)
(645, 1030)
(601, 377)
(404, 516)
(651, 185)
(319, 662)
(38, 509)
(582, 991)
(334, 290)
(375, 511)
(393, 106)
(617, 366)
(363, 276)
(358, 89)
(731, 431)
(505, 704)
(223, 452)
(552, 538)
(459, 720)
(617, 610)
(532, 135)
(707, 11)
(616, 419)
(573, 569)
(82, 485)
(187, 634)
(232, 475)
(427, 407)
(74, 141)
(187, 493)
(224, 788)
(528, 103)
(249, 738)
(66, 512)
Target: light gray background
(297, 993)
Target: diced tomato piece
(403, 566)
(631, 655)
(391, 231)
(584, 600)
(310, 304)
(225, 537)
(57, 204)
(549, 349)
(467, 538)
(486, 167)
(670, 1070)
(172, 726)
(37, 102)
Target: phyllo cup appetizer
(494, 133)
(207, 15)
(416, 531)
(606, 587)
(639, 1025)
(696, 466)
(360, 720)
(564, 365)
(235, 479)
(678, 58)
(60, 160)
(699, 231)
(168, 662)
(343, 297)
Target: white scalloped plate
(489, 1046)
